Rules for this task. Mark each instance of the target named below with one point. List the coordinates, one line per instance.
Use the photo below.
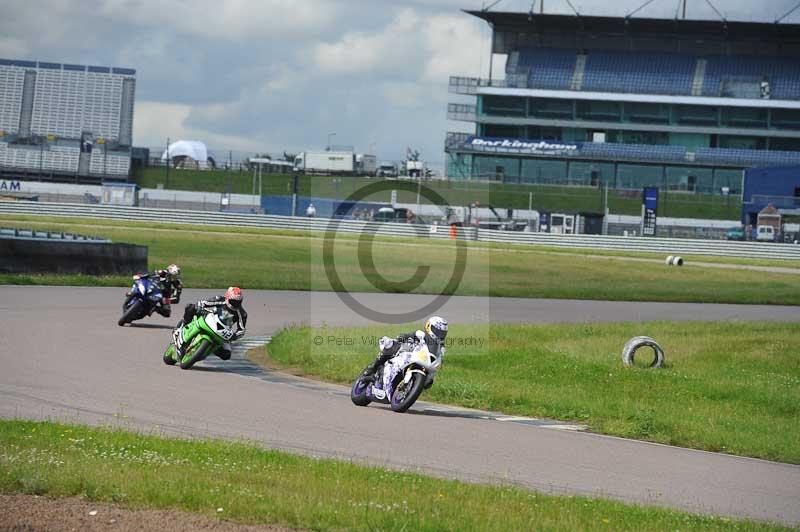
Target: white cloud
(456, 46)
(366, 51)
(13, 48)
(235, 20)
(155, 122)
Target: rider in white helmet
(434, 336)
(171, 286)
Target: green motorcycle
(203, 336)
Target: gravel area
(31, 513)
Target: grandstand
(630, 102)
(65, 122)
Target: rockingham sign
(540, 147)
(13, 186)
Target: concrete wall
(18, 255)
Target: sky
(274, 75)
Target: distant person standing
(311, 211)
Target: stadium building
(630, 102)
(65, 122)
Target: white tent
(193, 149)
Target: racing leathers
(171, 288)
(389, 347)
(212, 305)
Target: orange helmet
(234, 297)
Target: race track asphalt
(63, 358)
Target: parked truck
(325, 162)
(415, 168)
(366, 164)
(387, 169)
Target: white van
(765, 233)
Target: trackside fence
(667, 246)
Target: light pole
(330, 135)
(167, 180)
(336, 182)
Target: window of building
(697, 115)
(643, 137)
(744, 117)
(544, 133)
(786, 118)
(597, 110)
(646, 113)
(545, 171)
(732, 179)
(637, 176)
(503, 106)
(742, 143)
(551, 108)
(689, 179)
(591, 174)
(488, 167)
(500, 130)
(784, 144)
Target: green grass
(89, 225)
(547, 198)
(258, 486)
(729, 387)
(218, 257)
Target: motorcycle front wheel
(134, 312)
(358, 393)
(190, 359)
(406, 393)
(169, 359)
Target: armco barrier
(653, 245)
(44, 255)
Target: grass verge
(728, 387)
(548, 198)
(276, 260)
(253, 485)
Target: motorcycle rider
(169, 279)
(231, 301)
(434, 335)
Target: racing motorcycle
(146, 296)
(203, 336)
(401, 380)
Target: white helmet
(436, 326)
(174, 271)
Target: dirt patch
(29, 513)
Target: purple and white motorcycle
(401, 380)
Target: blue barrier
(326, 207)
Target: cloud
(12, 47)
(366, 51)
(157, 121)
(454, 42)
(235, 20)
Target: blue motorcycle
(146, 295)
